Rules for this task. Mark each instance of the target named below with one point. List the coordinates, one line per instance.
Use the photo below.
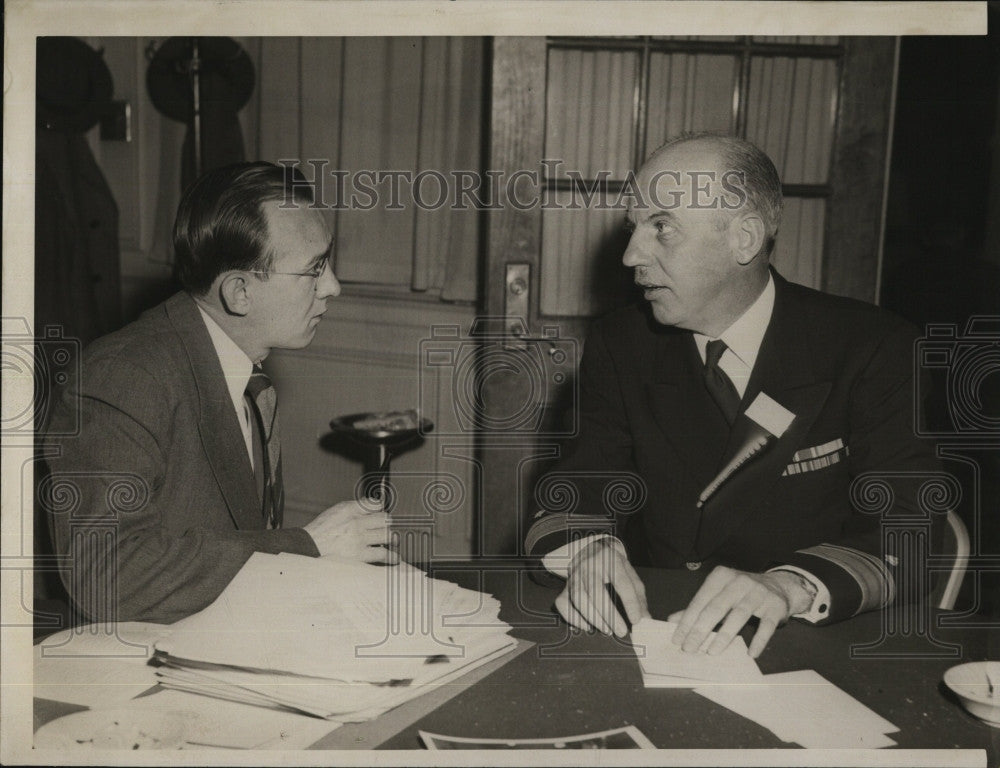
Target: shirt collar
(236, 366)
(744, 336)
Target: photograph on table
(621, 738)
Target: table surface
(571, 683)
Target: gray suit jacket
(153, 499)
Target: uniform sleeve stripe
(555, 523)
(877, 586)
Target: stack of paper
(665, 665)
(805, 708)
(331, 638)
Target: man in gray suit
(175, 472)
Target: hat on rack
(73, 85)
(225, 71)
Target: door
(570, 117)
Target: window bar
(641, 106)
(742, 91)
(808, 50)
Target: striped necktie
(260, 392)
(718, 384)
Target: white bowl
(969, 683)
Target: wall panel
(365, 357)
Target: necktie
(264, 402)
(719, 386)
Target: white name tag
(769, 414)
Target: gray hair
(759, 176)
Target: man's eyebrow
(319, 258)
(653, 216)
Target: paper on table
(805, 708)
(244, 726)
(79, 666)
(346, 701)
(328, 618)
(666, 665)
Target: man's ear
(750, 237)
(233, 293)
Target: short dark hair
(760, 178)
(220, 222)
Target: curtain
(450, 133)
(590, 128)
(798, 252)
(689, 92)
(589, 105)
(412, 105)
(791, 107)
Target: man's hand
(585, 602)
(733, 597)
(353, 531)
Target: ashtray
(977, 685)
(382, 426)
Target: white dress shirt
(743, 339)
(236, 368)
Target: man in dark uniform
(747, 405)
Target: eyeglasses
(315, 273)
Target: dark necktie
(264, 401)
(719, 386)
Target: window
(612, 101)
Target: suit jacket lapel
(682, 408)
(784, 372)
(221, 436)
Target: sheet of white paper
(244, 726)
(334, 619)
(669, 681)
(658, 656)
(95, 668)
(805, 708)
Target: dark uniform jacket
(824, 497)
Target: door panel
(510, 458)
